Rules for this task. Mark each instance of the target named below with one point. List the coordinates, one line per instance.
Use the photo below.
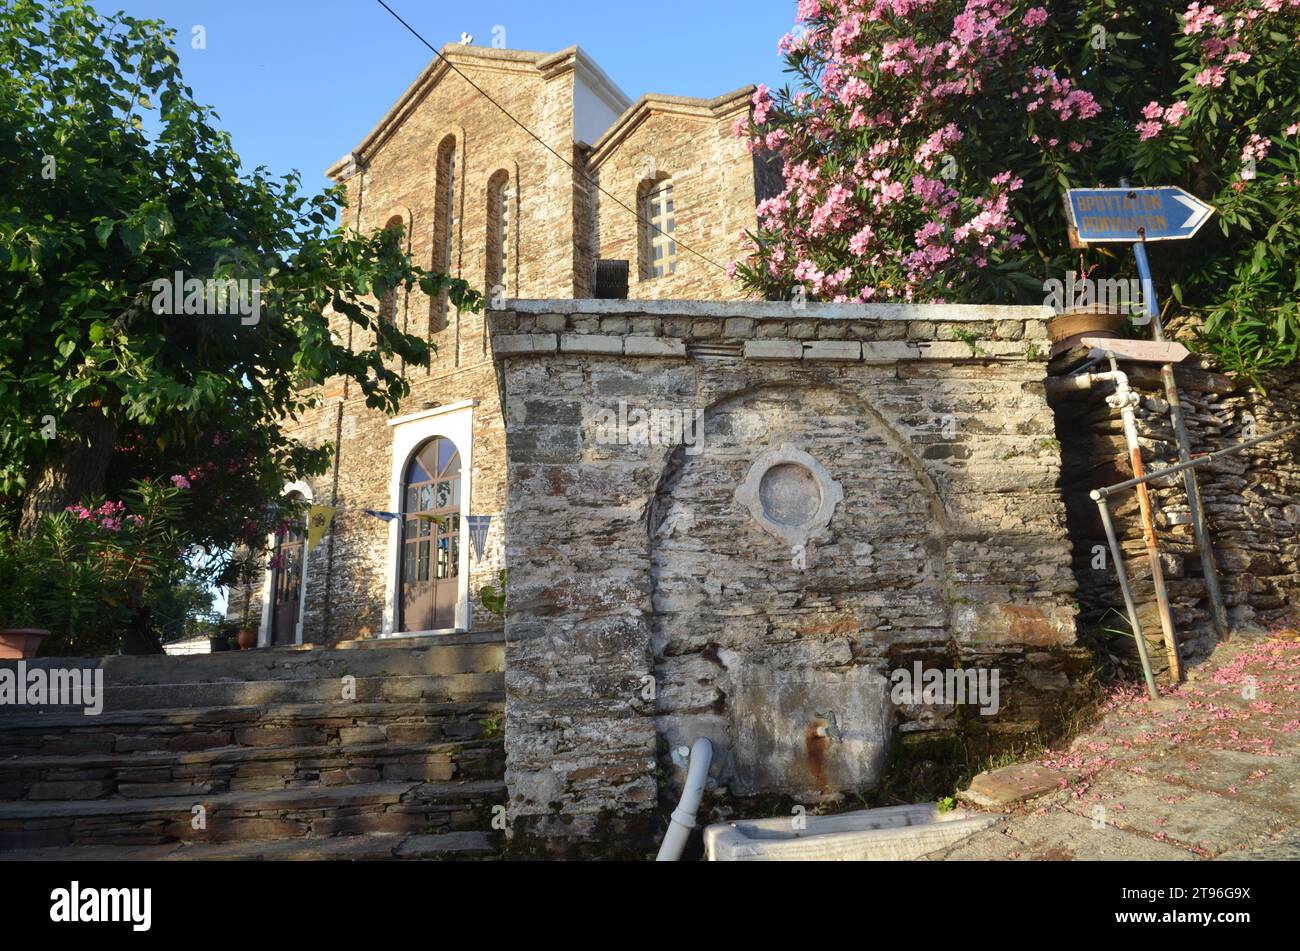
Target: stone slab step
(178, 731)
(232, 768)
(449, 846)
(435, 655)
(299, 813)
(497, 636)
(433, 688)
(24, 718)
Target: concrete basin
(893, 833)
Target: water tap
(832, 728)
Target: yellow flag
(319, 518)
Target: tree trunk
(76, 471)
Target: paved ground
(1208, 771)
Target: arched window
(444, 222)
(430, 566)
(498, 231)
(659, 246)
(388, 299)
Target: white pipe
(683, 819)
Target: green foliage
(93, 575)
(494, 597)
(112, 177)
(1231, 139)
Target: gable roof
(651, 103)
(458, 54)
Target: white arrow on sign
(1141, 351)
(1200, 211)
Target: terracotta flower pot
(1068, 328)
(247, 638)
(20, 643)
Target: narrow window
(661, 236)
(498, 231)
(444, 224)
(388, 299)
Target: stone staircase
(367, 750)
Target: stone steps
(261, 751)
(297, 724)
(378, 846)
(234, 768)
(320, 812)
(394, 688)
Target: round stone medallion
(790, 494)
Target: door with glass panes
(430, 569)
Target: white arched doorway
(427, 568)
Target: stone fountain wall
(740, 521)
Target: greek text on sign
(1163, 213)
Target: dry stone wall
(1252, 505)
(902, 510)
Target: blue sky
(298, 83)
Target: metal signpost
(1136, 216)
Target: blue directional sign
(1162, 213)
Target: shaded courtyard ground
(1208, 771)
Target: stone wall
(649, 605)
(1252, 504)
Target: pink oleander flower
(80, 511)
(180, 482)
(1175, 114)
(1291, 130)
(762, 104)
(1256, 148)
(1213, 76)
(1148, 130)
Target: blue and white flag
(478, 529)
(386, 516)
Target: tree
(928, 143)
(121, 199)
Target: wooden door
(286, 589)
(430, 571)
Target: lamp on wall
(478, 529)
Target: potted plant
(20, 603)
(1084, 315)
(1090, 320)
(222, 638)
(246, 635)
